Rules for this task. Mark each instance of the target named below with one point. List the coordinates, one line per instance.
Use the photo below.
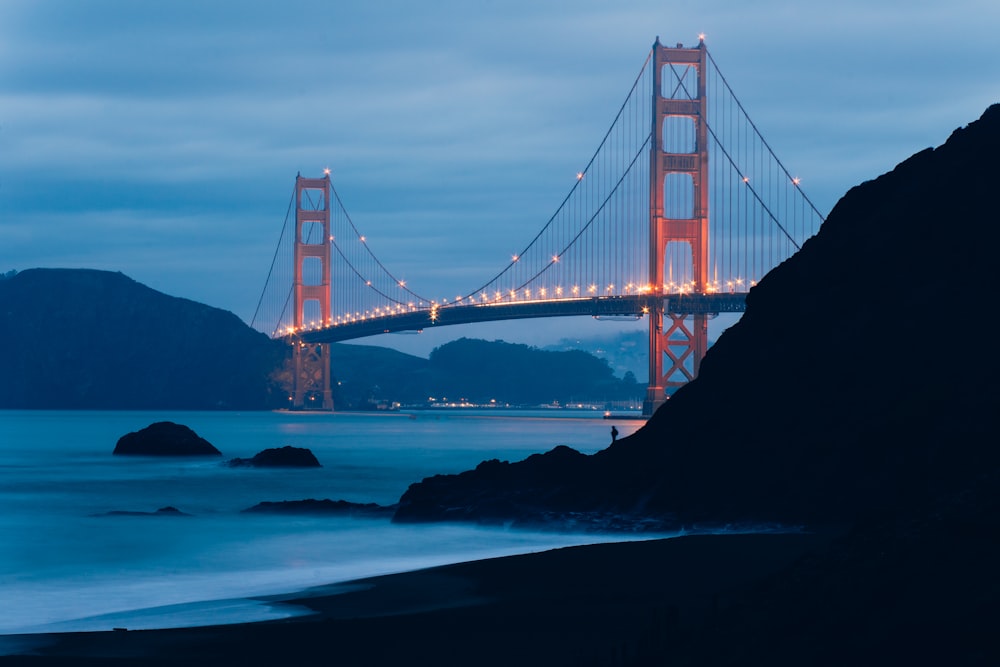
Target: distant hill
(625, 352)
(86, 339)
(478, 371)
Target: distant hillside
(514, 373)
(85, 339)
(478, 371)
(625, 351)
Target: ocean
(66, 565)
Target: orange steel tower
(312, 243)
(678, 212)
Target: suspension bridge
(682, 207)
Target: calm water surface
(63, 568)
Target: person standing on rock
(614, 434)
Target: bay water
(67, 565)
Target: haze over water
(62, 568)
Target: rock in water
(323, 507)
(163, 511)
(279, 457)
(165, 439)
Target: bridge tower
(678, 212)
(311, 380)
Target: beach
(604, 604)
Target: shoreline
(552, 607)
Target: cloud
(164, 137)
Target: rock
(163, 511)
(165, 439)
(827, 402)
(278, 457)
(326, 506)
(544, 488)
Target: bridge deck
(601, 306)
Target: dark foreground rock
(165, 439)
(325, 506)
(827, 402)
(278, 457)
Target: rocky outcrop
(278, 457)
(163, 511)
(164, 439)
(323, 507)
(855, 384)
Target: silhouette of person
(614, 434)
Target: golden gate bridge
(680, 210)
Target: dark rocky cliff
(862, 378)
(85, 339)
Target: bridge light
(592, 289)
(402, 283)
(576, 289)
(555, 258)
(796, 180)
(514, 258)
(326, 172)
(746, 180)
(701, 37)
(579, 175)
(362, 238)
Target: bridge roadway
(450, 314)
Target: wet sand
(601, 604)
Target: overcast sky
(162, 139)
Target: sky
(162, 139)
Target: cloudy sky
(162, 139)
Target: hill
(86, 339)
(848, 397)
(477, 371)
(784, 423)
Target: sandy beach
(619, 603)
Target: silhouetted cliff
(862, 378)
(85, 339)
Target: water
(64, 569)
